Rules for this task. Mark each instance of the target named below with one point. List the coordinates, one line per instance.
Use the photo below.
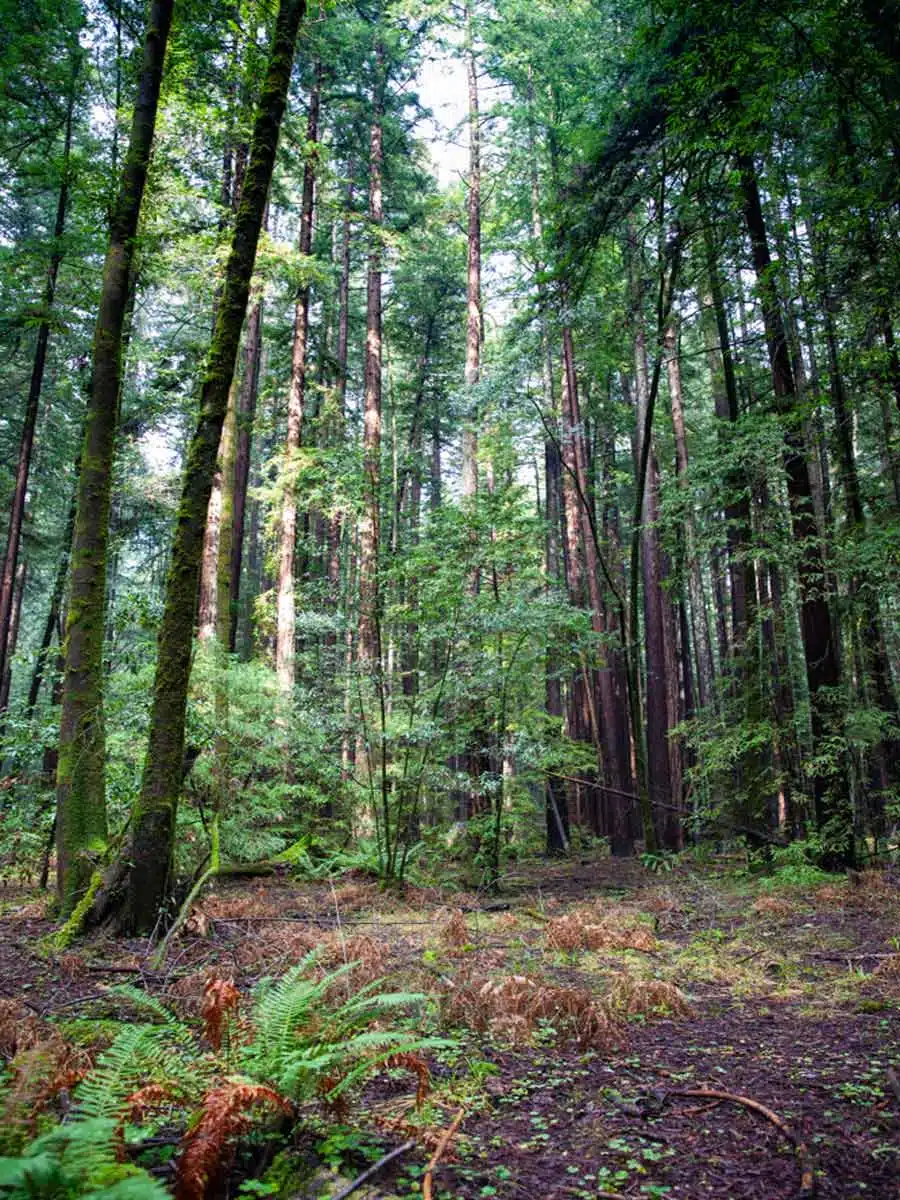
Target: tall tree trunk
(32, 404)
(145, 868)
(12, 632)
(369, 640)
(81, 800)
(246, 417)
(53, 614)
(607, 713)
(659, 720)
(473, 271)
(336, 432)
(286, 604)
(830, 794)
(698, 620)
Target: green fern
(299, 1041)
(77, 1159)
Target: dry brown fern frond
(351, 897)
(21, 1029)
(337, 1107)
(367, 954)
(416, 1066)
(455, 933)
(208, 1149)
(148, 1099)
(631, 997)
(40, 1074)
(220, 1000)
(429, 1135)
(514, 1005)
(574, 932)
(285, 942)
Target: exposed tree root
(804, 1159)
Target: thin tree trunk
(286, 604)
(53, 614)
(246, 417)
(147, 862)
(473, 271)
(369, 641)
(32, 404)
(699, 624)
(658, 716)
(81, 801)
(12, 633)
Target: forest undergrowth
(597, 1030)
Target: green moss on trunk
(81, 798)
(149, 854)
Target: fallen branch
(373, 1170)
(804, 1160)
(439, 1150)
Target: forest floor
(592, 1005)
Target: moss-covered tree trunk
(139, 886)
(81, 801)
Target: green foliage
(301, 1039)
(76, 1160)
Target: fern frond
(138, 1052)
(386, 1049)
(135, 1187)
(145, 1003)
(76, 1159)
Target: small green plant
(658, 861)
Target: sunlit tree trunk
(246, 417)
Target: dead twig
(804, 1160)
(439, 1150)
(373, 1170)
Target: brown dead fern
(515, 1005)
(207, 1150)
(220, 1000)
(417, 1066)
(630, 997)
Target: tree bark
(286, 603)
(246, 417)
(698, 619)
(147, 862)
(830, 794)
(26, 445)
(369, 638)
(473, 272)
(81, 801)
